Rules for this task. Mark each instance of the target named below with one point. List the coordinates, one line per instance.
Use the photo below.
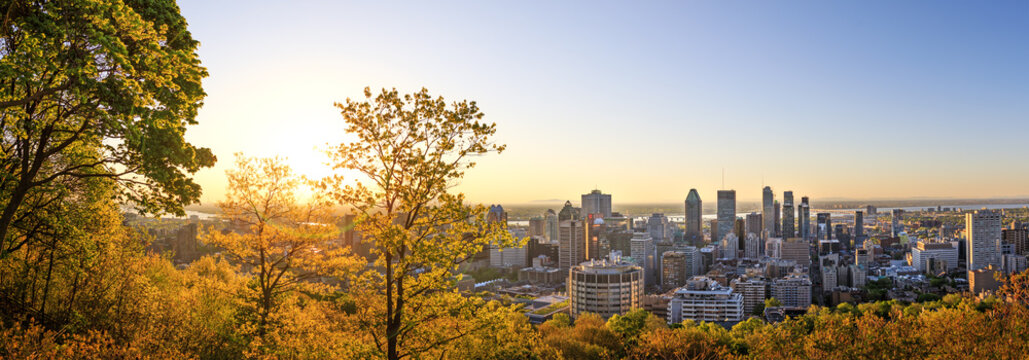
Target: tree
(772, 302)
(281, 240)
(409, 151)
(95, 89)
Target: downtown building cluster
(726, 266)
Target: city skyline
(895, 96)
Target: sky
(643, 100)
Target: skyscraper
(657, 227)
(804, 213)
(537, 226)
(859, 228)
(595, 229)
(694, 211)
(551, 225)
(569, 213)
(714, 231)
(755, 224)
(644, 253)
(496, 213)
(898, 216)
(596, 203)
(726, 212)
(824, 228)
(767, 213)
(572, 247)
(777, 222)
(983, 233)
(788, 221)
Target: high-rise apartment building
(794, 290)
(983, 234)
(754, 291)
(726, 213)
(604, 287)
(703, 299)
(596, 203)
(694, 212)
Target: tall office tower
(657, 227)
(777, 222)
(568, 212)
(767, 213)
(714, 231)
(755, 224)
(551, 225)
(677, 266)
(644, 253)
(537, 226)
(1017, 235)
(773, 248)
(824, 226)
(694, 212)
(788, 216)
(726, 212)
(741, 231)
(859, 229)
(595, 228)
(596, 203)
(496, 213)
(898, 216)
(572, 246)
(871, 210)
(804, 213)
(752, 247)
(982, 230)
(730, 246)
(796, 249)
(607, 287)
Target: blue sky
(870, 99)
